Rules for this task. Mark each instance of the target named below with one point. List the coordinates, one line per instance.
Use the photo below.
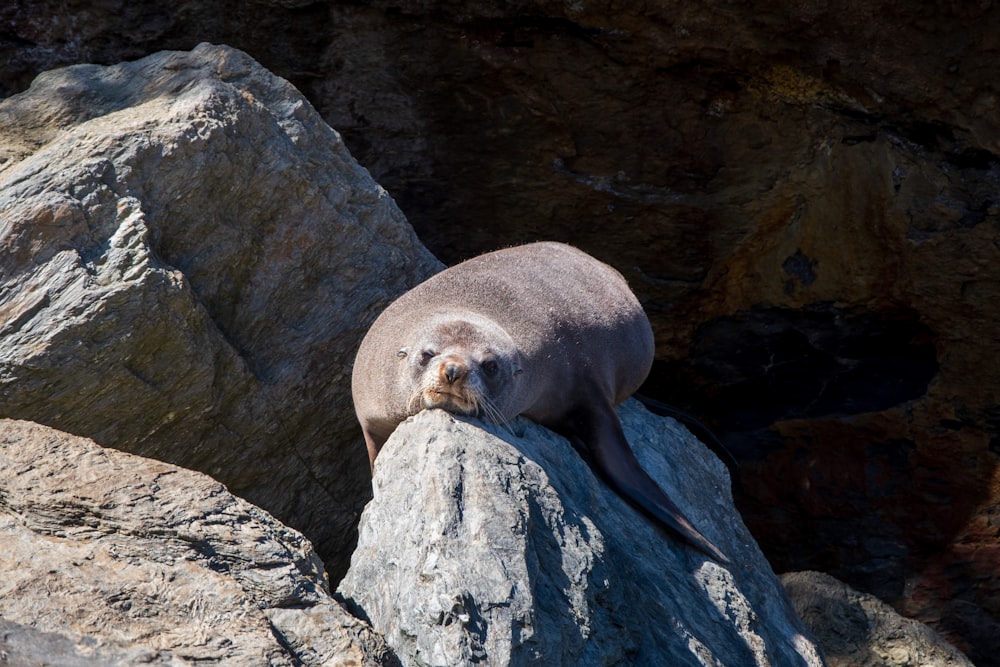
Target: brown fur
(542, 330)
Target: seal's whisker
(494, 414)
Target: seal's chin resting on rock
(455, 403)
(542, 330)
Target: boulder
(189, 257)
(114, 559)
(498, 546)
(859, 630)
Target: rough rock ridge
(500, 547)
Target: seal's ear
(402, 353)
(518, 371)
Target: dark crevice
(768, 364)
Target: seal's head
(467, 366)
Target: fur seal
(542, 330)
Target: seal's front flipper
(612, 458)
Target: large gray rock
(858, 630)
(113, 559)
(496, 548)
(188, 254)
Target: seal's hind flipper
(612, 458)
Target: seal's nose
(453, 371)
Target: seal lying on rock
(541, 330)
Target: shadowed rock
(858, 630)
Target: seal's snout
(448, 387)
(453, 371)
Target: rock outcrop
(498, 546)
(859, 630)
(112, 559)
(189, 257)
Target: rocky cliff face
(804, 198)
(802, 194)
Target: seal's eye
(490, 367)
(426, 356)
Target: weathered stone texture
(188, 259)
(113, 559)
(501, 547)
(803, 195)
